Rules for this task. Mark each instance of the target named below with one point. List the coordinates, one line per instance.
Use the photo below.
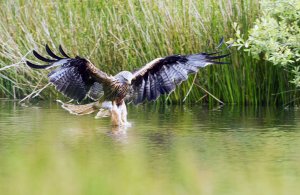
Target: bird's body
(77, 78)
(116, 91)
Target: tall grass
(118, 35)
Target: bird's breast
(116, 91)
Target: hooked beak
(128, 82)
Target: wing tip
(211, 58)
(35, 66)
(63, 52)
(50, 53)
(40, 57)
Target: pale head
(124, 77)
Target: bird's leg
(123, 110)
(115, 115)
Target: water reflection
(160, 128)
(196, 143)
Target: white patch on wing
(207, 63)
(59, 63)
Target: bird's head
(124, 77)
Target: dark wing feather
(74, 77)
(96, 91)
(63, 52)
(52, 54)
(38, 56)
(163, 74)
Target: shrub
(275, 36)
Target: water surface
(168, 150)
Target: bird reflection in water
(108, 110)
(119, 133)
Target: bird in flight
(78, 78)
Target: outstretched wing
(162, 75)
(74, 77)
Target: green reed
(118, 35)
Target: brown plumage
(78, 78)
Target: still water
(168, 150)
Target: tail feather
(103, 113)
(80, 109)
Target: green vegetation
(275, 36)
(119, 35)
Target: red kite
(77, 78)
